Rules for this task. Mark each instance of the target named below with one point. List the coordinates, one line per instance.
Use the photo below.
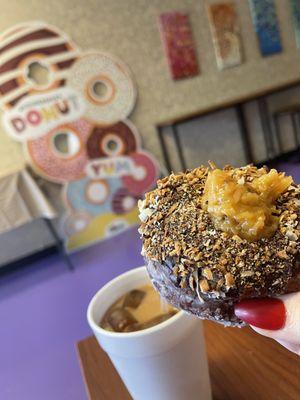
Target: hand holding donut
(277, 318)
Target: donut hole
(112, 145)
(100, 89)
(97, 192)
(38, 73)
(66, 144)
(129, 202)
(140, 173)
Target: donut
(75, 222)
(55, 163)
(106, 85)
(123, 201)
(115, 140)
(27, 45)
(146, 173)
(94, 196)
(212, 238)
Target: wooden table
(243, 366)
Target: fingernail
(263, 313)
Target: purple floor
(42, 311)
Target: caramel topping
(246, 209)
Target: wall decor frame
(176, 34)
(295, 11)
(225, 32)
(266, 25)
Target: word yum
(110, 167)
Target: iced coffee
(139, 309)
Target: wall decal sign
(70, 110)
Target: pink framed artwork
(179, 45)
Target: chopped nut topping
(282, 254)
(179, 232)
(247, 273)
(229, 280)
(207, 273)
(204, 286)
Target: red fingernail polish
(262, 313)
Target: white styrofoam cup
(165, 362)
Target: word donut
(115, 140)
(106, 86)
(31, 48)
(60, 155)
(146, 173)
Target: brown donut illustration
(123, 201)
(115, 140)
(27, 44)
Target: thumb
(277, 318)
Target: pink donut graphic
(145, 174)
(60, 155)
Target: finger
(278, 318)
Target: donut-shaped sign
(60, 155)
(34, 58)
(123, 201)
(114, 140)
(106, 86)
(93, 196)
(75, 222)
(145, 175)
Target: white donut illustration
(106, 86)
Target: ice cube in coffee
(138, 309)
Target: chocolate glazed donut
(204, 270)
(115, 140)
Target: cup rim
(126, 335)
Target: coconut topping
(244, 208)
